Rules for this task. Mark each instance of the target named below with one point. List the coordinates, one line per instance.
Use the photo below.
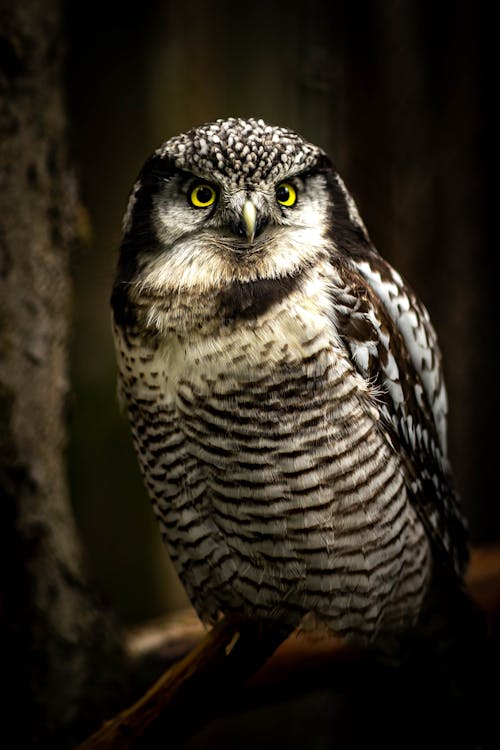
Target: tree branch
(206, 678)
(206, 681)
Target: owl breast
(277, 490)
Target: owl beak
(249, 214)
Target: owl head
(232, 201)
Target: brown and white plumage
(284, 388)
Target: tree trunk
(62, 653)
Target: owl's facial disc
(210, 233)
(231, 201)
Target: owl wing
(391, 342)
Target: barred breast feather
(272, 472)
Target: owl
(284, 389)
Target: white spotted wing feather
(391, 340)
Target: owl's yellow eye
(203, 195)
(286, 195)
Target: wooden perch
(203, 684)
(194, 689)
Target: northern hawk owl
(284, 388)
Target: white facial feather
(197, 254)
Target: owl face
(241, 177)
(234, 200)
(228, 203)
(212, 233)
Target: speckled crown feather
(240, 150)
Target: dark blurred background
(399, 93)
